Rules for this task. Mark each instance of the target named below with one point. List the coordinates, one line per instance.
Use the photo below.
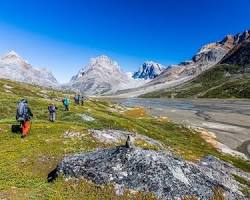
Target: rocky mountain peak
(11, 54)
(14, 67)
(242, 36)
(103, 61)
(233, 40)
(148, 70)
(100, 63)
(101, 76)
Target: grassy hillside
(25, 163)
(222, 81)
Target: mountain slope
(206, 58)
(101, 76)
(148, 70)
(14, 67)
(230, 78)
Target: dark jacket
(52, 109)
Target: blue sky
(63, 35)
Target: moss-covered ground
(25, 163)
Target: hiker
(52, 112)
(66, 104)
(24, 115)
(82, 100)
(77, 99)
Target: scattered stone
(44, 91)
(24, 160)
(8, 91)
(45, 96)
(162, 119)
(163, 174)
(73, 134)
(110, 136)
(44, 159)
(7, 86)
(117, 108)
(86, 118)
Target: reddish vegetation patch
(135, 112)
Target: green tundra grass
(25, 163)
(221, 81)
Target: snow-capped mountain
(101, 76)
(148, 70)
(14, 67)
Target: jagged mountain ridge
(148, 70)
(229, 78)
(240, 54)
(207, 57)
(14, 67)
(104, 76)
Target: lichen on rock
(161, 173)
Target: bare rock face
(14, 67)
(240, 55)
(101, 76)
(148, 70)
(163, 174)
(208, 56)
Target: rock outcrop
(161, 173)
(240, 54)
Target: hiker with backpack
(52, 112)
(24, 115)
(66, 102)
(83, 99)
(77, 99)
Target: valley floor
(26, 163)
(228, 119)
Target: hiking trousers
(25, 127)
(66, 107)
(52, 116)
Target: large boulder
(159, 172)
